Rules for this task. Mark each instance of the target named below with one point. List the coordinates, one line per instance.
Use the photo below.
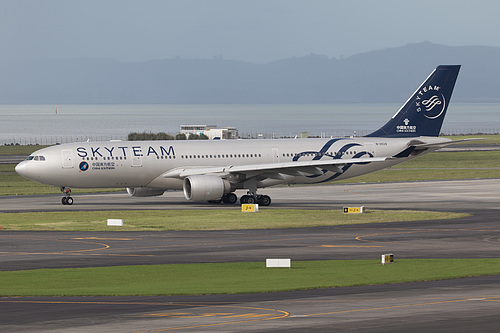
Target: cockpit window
(36, 158)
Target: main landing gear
(249, 198)
(252, 197)
(67, 199)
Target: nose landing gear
(67, 199)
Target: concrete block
(115, 222)
(278, 263)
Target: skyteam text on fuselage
(214, 170)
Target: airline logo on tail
(406, 128)
(431, 101)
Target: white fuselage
(118, 164)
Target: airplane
(212, 171)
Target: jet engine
(144, 191)
(201, 188)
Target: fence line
(60, 139)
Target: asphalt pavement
(460, 305)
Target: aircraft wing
(297, 168)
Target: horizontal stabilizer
(419, 148)
(444, 144)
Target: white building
(211, 131)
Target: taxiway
(459, 305)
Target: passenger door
(136, 158)
(67, 156)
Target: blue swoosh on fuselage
(321, 153)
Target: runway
(455, 305)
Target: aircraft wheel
(67, 200)
(243, 199)
(251, 199)
(230, 198)
(265, 200)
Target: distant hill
(388, 75)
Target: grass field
(147, 220)
(232, 278)
(19, 150)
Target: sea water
(49, 124)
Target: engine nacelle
(202, 188)
(144, 191)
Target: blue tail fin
(423, 113)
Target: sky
(256, 31)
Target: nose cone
(21, 169)
(26, 170)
